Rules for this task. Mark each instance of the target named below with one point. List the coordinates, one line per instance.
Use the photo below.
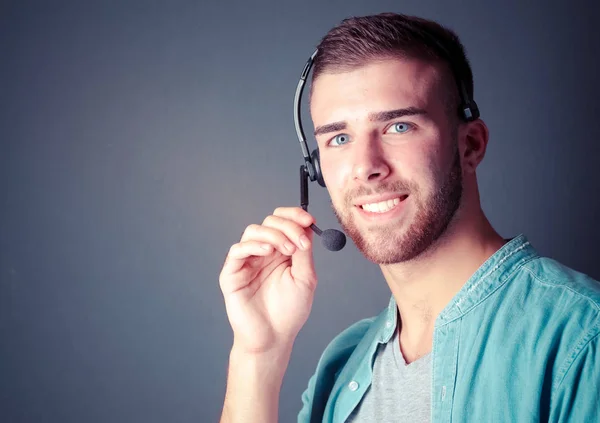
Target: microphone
(332, 239)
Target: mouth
(384, 206)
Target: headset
(332, 239)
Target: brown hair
(359, 40)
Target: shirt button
(353, 386)
(388, 324)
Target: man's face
(389, 156)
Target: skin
(427, 249)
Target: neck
(424, 286)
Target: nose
(370, 164)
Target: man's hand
(268, 281)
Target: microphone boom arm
(304, 195)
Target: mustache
(383, 188)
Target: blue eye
(340, 139)
(400, 127)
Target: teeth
(382, 206)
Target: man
(479, 328)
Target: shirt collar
(390, 322)
(492, 274)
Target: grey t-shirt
(398, 392)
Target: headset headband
(298, 118)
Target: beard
(389, 244)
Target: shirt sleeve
(577, 397)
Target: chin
(399, 243)
(388, 252)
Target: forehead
(385, 85)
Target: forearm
(253, 386)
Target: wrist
(274, 350)
(253, 385)
(271, 362)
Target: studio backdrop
(138, 139)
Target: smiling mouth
(383, 206)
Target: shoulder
(349, 338)
(569, 302)
(339, 350)
(332, 361)
(552, 275)
(566, 300)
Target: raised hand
(268, 281)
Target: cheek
(335, 173)
(419, 168)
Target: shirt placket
(444, 369)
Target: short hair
(357, 41)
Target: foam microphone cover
(333, 240)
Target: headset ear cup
(317, 166)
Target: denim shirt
(518, 343)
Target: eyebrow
(373, 117)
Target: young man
(479, 328)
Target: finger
(234, 274)
(303, 268)
(269, 235)
(292, 230)
(240, 252)
(296, 214)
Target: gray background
(138, 139)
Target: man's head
(385, 104)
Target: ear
(475, 136)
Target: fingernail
(304, 242)
(289, 246)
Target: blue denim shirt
(518, 343)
